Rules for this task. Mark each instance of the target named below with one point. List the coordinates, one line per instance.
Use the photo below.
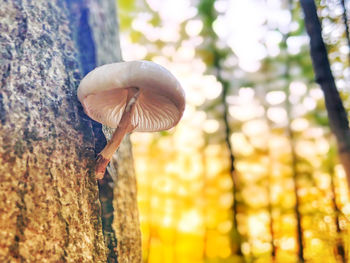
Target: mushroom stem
(123, 128)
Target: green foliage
(207, 12)
(127, 7)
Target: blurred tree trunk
(294, 166)
(340, 249)
(237, 238)
(337, 115)
(271, 221)
(50, 205)
(346, 25)
(292, 141)
(339, 243)
(208, 14)
(295, 174)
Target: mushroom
(130, 96)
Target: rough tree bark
(49, 200)
(337, 115)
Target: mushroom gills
(125, 125)
(106, 107)
(155, 113)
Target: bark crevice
(84, 38)
(21, 220)
(61, 217)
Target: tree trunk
(337, 115)
(237, 240)
(208, 14)
(346, 25)
(339, 243)
(299, 237)
(271, 221)
(340, 249)
(294, 163)
(295, 173)
(50, 209)
(294, 158)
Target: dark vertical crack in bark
(83, 36)
(21, 217)
(60, 216)
(6, 70)
(2, 110)
(106, 186)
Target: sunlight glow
(297, 88)
(287, 243)
(256, 225)
(133, 51)
(173, 11)
(277, 115)
(185, 186)
(299, 124)
(211, 87)
(275, 97)
(226, 200)
(241, 144)
(210, 126)
(167, 221)
(255, 127)
(227, 26)
(190, 222)
(194, 27)
(279, 143)
(255, 196)
(225, 227)
(305, 148)
(295, 43)
(273, 40)
(309, 103)
(316, 93)
(246, 112)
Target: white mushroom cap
(103, 93)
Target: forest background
(251, 173)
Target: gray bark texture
(50, 202)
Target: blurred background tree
(251, 173)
